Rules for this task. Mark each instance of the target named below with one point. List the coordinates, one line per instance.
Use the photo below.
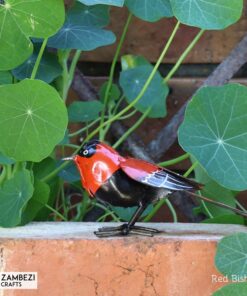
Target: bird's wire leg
(129, 227)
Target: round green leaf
(96, 16)
(49, 68)
(14, 195)
(209, 14)
(84, 111)
(70, 173)
(5, 160)
(41, 170)
(82, 29)
(130, 61)
(231, 255)
(114, 92)
(5, 77)
(126, 213)
(37, 202)
(239, 289)
(33, 119)
(150, 11)
(214, 131)
(133, 80)
(226, 219)
(21, 19)
(119, 3)
(216, 192)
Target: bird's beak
(68, 158)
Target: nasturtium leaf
(226, 219)
(214, 132)
(37, 202)
(231, 255)
(33, 119)
(132, 82)
(238, 288)
(130, 61)
(5, 77)
(218, 193)
(97, 16)
(82, 29)
(14, 195)
(150, 11)
(70, 173)
(21, 19)
(126, 213)
(84, 111)
(5, 160)
(209, 14)
(49, 68)
(119, 3)
(41, 170)
(114, 92)
(214, 191)
(65, 139)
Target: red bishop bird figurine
(128, 182)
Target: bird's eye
(85, 152)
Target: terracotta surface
(70, 261)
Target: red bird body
(125, 182)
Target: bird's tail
(217, 203)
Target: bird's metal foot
(124, 230)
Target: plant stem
(174, 160)
(70, 73)
(183, 56)
(158, 205)
(54, 172)
(113, 65)
(130, 130)
(55, 212)
(205, 207)
(240, 206)
(118, 115)
(37, 62)
(144, 88)
(3, 174)
(115, 218)
(172, 210)
(194, 165)
(63, 59)
(128, 115)
(84, 128)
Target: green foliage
(150, 11)
(214, 132)
(107, 2)
(239, 289)
(231, 255)
(125, 214)
(210, 14)
(5, 77)
(114, 92)
(83, 29)
(84, 111)
(49, 67)
(20, 20)
(37, 202)
(132, 81)
(15, 193)
(226, 219)
(33, 120)
(33, 116)
(214, 191)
